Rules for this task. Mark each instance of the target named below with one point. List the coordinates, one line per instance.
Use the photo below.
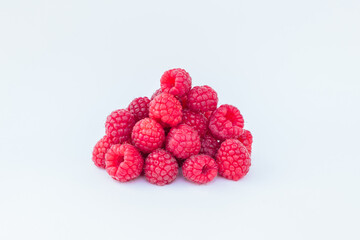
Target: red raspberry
(233, 159)
(195, 120)
(100, 149)
(183, 141)
(139, 107)
(226, 122)
(247, 139)
(119, 125)
(209, 145)
(123, 162)
(207, 114)
(160, 167)
(147, 135)
(166, 109)
(200, 169)
(202, 98)
(156, 93)
(176, 82)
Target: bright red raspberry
(202, 98)
(139, 107)
(233, 159)
(209, 145)
(123, 162)
(156, 93)
(226, 122)
(176, 82)
(147, 135)
(100, 149)
(247, 139)
(160, 167)
(200, 169)
(119, 125)
(166, 109)
(195, 120)
(183, 141)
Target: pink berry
(100, 149)
(176, 82)
(147, 135)
(200, 169)
(202, 99)
(195, 120)
(139, 107)
(166, 109)
(247, 139)
(119, 125)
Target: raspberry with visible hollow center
(202, 99)
(160, 167)
(183, 141)
(200, 169)
(123, 162)
(226, 122)
(147, 135)
(176, 82)
(119, 124)
(166, 109)
(233, 159)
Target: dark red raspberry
(100, 149)
(156, 93)
(139, 107)
(123, 162)
(195, 120)
(147, 135)
(183, 141)
(226, 122)
(166, 109)
(160, 167)
(233, 159)
(247, 139)
(176, 82)
(119, 125)
(200, 169)
(202, 98)
(209, 145)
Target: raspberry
(100, 149)
(119, 125)
(147, 135)
(183, 141)
(202, 98)
(176, 82)
(207, 114)
(233, 159)
(226, 122)
(200, 169)
(209, 145)
(247, 139)
(166, 109)
(123, 162)
(156, 93)
(195, 120)
(160, 167)
(139, 107)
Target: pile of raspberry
(179, 128)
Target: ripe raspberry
(100, 149)
(160, 167)
(202, 98)
(166, 109)
(176, 82)
(200, 169)
(156, 93)
(147, 135)
(119, 125)
(209, 145)
(195, 120)
(183, 141)
(226, 122)
(207, 114)
(233, 160)
(139, 107)
(123, 162)
(247, 139)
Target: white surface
(292, 68)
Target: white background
(291, 67)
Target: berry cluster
(179, 126)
